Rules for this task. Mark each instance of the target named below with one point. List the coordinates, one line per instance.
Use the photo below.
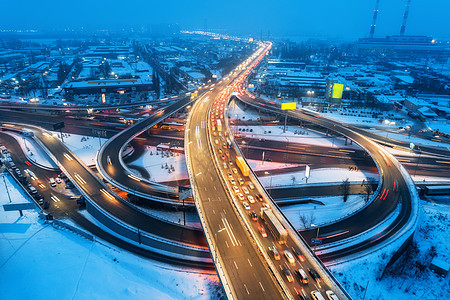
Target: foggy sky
(337, 19)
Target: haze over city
(225, 150)
(344, 20)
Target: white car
(316, 295)
(245, 189)
(240, 196)
(245, 204)
(250, 185)
(331, 295)
(251, 199)
(236, 189)
(289, 256)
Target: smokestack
(405, 17)
(374, 20)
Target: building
(107, 86)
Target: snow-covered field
(38, 261)
(84, 147)
(409, 277)
(303, 215)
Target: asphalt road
(374, 213)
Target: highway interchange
(247, 273)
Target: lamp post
(317, 234)
(270, 185)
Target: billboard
(338, 88)
(288, 105)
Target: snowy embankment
(409, 277)
(84, 147)
(33, 151)
(36, 257)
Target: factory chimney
(374, 20)
(405, 17)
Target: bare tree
(304, 220)
(345, 189)
(368, 188)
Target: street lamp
(387, 122)
(270, 186)
(317, 234)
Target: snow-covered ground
(325, 175)
(38, 261)
(406, 279)
(84, 147)
(33, 151)
(303, 215)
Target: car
(314, 274)
(46, 205)
(241, 197)
(235, 171)
(216, 141)
(230, 162)
(276, 254)
(58, 180)
(289, 256)
(262, 231)
(214, 133)
(298, 253)
(222, 156)
(236, 189)
(331, 295)
(227, 154)
(302, 294)
(241, 182)
(287, 273)
(254, 216)
(259, 197)
(245, 204)
(220, 151)
(245, 190)
(230, 175)
(316, 295)
(250, 199)
(233, 182)
(225, 166)
(250, 185)
(303, 277)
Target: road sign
(28, 133)
(307, 171)
(316, 241)
(58, 126)
(184, 192)
(288, 105)
(18, 206)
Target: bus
(219, 125)
(274, 225)
(240, 162)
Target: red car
(262, 231)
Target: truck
(240, 162)
(219, 125)
(277, 229)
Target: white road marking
(235, 265)
(230, 232)
(226, 243)
(199, 173)
(249, 262)
(246, 289)
(262, 286)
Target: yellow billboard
(337, 90)
(288, 105)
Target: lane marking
(249, 262)
(246, 289)
(235, 265)
(260, 284)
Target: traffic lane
(58, 198)
(112, 163)
(125, 212)
(270, 241)
(235, 255)
(378, 209)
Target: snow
(334, 208)
(33, 151)
(34, 256)
(323, 175)
(84, 147)
(405, 283)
